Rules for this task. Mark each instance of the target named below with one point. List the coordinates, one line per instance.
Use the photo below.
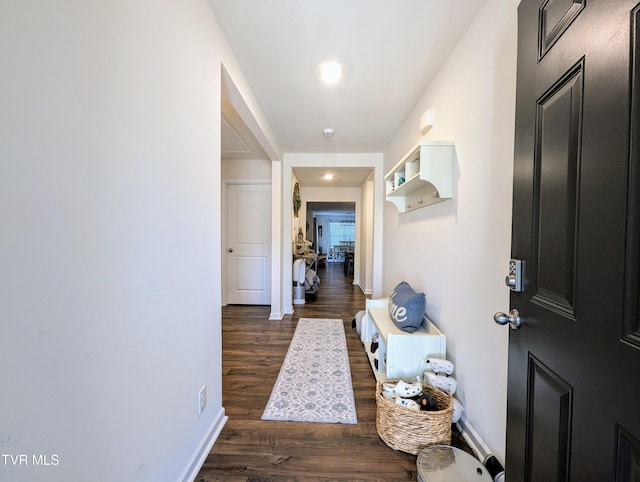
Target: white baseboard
(289, 310)
(472, 437)
(196, 461)
(276, 316)
(366, 291)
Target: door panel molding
(627, 456)
(631, 325)
(253, 272)
(554, 19)
(549, 423)
(556, 183)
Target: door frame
(373, 161)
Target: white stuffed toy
(457, 410)
(443, 382)
(439, 365)
(357, 321)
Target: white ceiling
(390, 50)
(332, 209)
(342, 177)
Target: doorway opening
(331, 226)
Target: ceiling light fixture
(328, 132)
(331, 72)
(328, 176)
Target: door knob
(230, 250)
(513, 319)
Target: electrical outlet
(202, 399)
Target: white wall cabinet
(400, 355)
(424, 176)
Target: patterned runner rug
(314, 383)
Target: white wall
(277, 245)
(246, 169)
(367, 236)
(110, 207)
(457, 251)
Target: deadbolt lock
(514, 279)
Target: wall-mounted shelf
(422, 177)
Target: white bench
(401, 355)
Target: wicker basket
(409, 430)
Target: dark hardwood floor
(249, 449)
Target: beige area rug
(314, 383)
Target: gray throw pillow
(406, 307)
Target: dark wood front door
(573, 390)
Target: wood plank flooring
(253, 450)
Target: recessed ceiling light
(328, 176)
(331, 72)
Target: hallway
(250, 449)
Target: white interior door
(249, 244)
